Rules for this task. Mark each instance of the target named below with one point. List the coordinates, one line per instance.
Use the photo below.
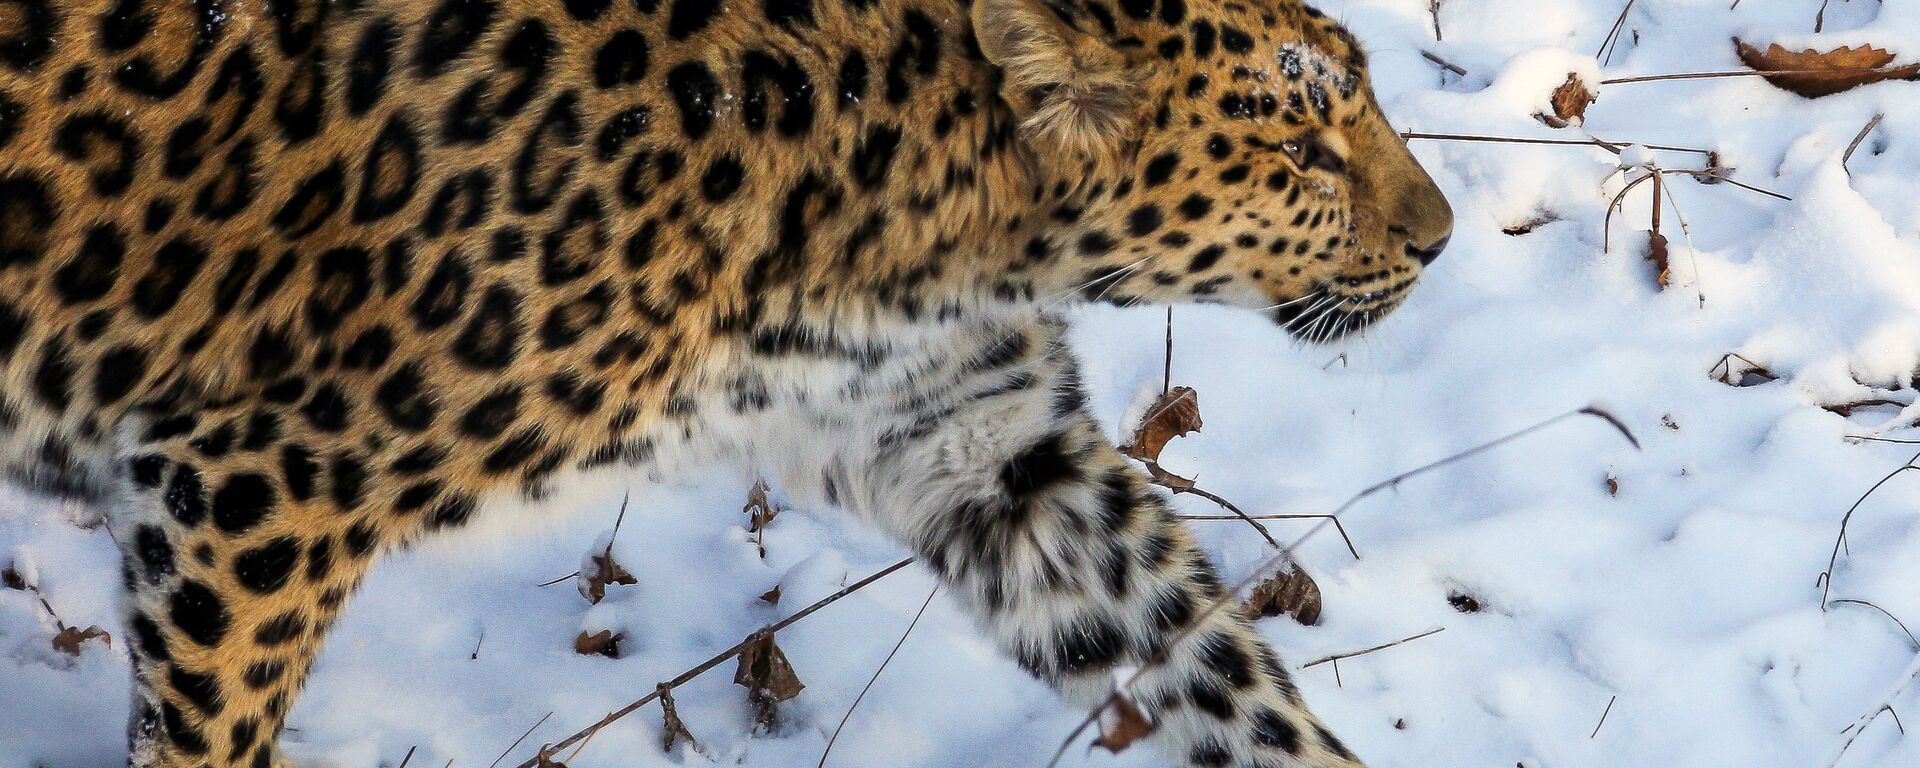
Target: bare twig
(722, 657)
(1859, 726)
(876, 676)
(1341, 529)
(1285, 555)
(1433, 9)
(1443, 63)
(1603, 718)
(1914, 641)
(516, 742)
(1820, 18)
(1613, 35)
(1166, 373)
(552, 582)
(1872, 439)
(1747, 73)
(1365, 651)
(1826, 577)
(409, 757)
(1610, 146)
(1857, 138)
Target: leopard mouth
(1327, 314)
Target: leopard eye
(1311, 153)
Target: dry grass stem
(1857, 138)
(876, 676)
(1374, 649)
(1603, 717)
(1825, 579)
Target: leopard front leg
(1076, 566)
(242, 535)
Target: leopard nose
(1426, 255)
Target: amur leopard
(287, 283)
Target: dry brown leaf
(760, 510)
(676, 729)
(1122, 724)
(1813, 74)
(1291, 591)
(771, 596)
(1168, 480)
(1570, 102)
(69, 639)
(1613, 484)
(767, 676)
(604, 642)
(1657, 253)
(601, 571)
(1176, 413)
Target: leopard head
(1216, 151)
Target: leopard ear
(1069, 88)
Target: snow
(1688, 598)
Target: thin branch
(1603, 718)
(722, 657)
(876, 676)
(1443, 63)
(1365, 651)
(1826, 576)
(552, 582)
(1886, 705)
(1915, 641)
(1872, 439)
(409, 757)
(1338, 527)
(1712, 177)
(1749, 73)
(1285, 555)
(523, 737)
(1613, 36)
(1610, 146)
(1857, 138)
(1166, 373)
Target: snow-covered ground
(1677, 582)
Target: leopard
(289, 284)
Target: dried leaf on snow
(70, 639)
(767, 676)
(676, 729)
(1657, 253)
(600, 571)
(1570, 102)
(1122, 724)
(760, 509)
(604, 642)
(1813, 74)
(1176, 413)
(1291, 592)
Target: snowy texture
(1677, 582)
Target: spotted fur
(286, 283)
